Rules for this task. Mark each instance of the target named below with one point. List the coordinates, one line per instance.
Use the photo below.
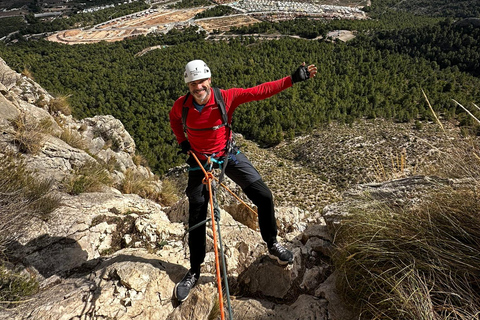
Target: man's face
(200, 90)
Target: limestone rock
(336, 306)
(8, 77)
(305, 307)
(257, 279)
(7, 111)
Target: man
(198, 115)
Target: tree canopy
(380, 74)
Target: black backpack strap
(185, 113)
(230, 143)
(221, 105)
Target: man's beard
(201, 95)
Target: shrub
(413, 264)
(89, 177)
(137, 183)
(14, 286)
(60, 104)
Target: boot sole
(280, 262)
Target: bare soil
(225, 23)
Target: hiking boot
(283, 256)
(182, 289)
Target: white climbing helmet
(195, 70)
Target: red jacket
(213, 141)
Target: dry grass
(421, 262)
(15, 287)
(29, 134)
(462, 159)
(147, 187)
(137, 183)
(27, 73)
(169, 193)
(22, 197)
(73, 138)
(140, 160)
(396, 170)
(415, 264)
(215, 312)
(60, 104)
(90, 177)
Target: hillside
(106, 252)
(79, 242)
(369, 83)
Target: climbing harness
(221, 165)
(215, 219)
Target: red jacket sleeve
(236, 96)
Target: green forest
(379, 74)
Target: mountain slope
(101, 253)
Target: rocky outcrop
(78, 280)
(109, 255)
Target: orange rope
(207, 180)
(236, 197)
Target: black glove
(185, 145)
(301, 74)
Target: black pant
(242, 172)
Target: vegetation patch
(89, 177)
(413, 264)
(170, 192)
(73, 138)
(60, 104)
(22, 197)
(10, 24)
(15, 287)
(29, 134)
(137, 183)
(183, 4)
(216, 11)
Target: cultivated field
(129, 26)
